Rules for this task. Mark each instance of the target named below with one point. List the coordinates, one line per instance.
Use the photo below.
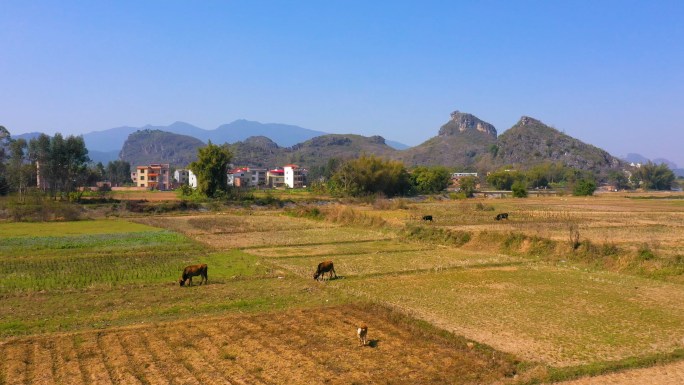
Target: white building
(192, 179)
(181, 176)
(294, 176)
(258, 176)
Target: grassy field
(514, 303)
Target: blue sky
(610, 73)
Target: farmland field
(98, 301)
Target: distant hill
(102, 156)
(397, 145)
(461, 142)
(156, 146)
(283, 134)
(27, 136)
(638, 158)
(530, 142)
(263, 152)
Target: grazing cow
(192, 271)
(427, 218)
(325, 267)
(501, 216)
(362, 332)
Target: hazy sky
(610, 73)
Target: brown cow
(362, 332)
(192, 271)
(325, 267)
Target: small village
(157, 176)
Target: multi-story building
(239, 177)
(180, 176)
(258, 176)
(154, 177)
(295, 176)
(275, 178)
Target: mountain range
(465, 142)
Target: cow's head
(316, 274)
(181, 282)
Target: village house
(239, 177)
(180, 176)
(295, 176)
(258, 176)
(155, 176)
(275, 178)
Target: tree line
(54, 165)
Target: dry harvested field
(530, 317)
(630, 221)
(291, 347)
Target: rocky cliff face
(155, 146)
(462, 141)
(465, 123)
(530, 142)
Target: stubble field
(517, 316)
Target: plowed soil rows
(299, 346)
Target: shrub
(519, 189)
(584, 187)
(645, 253)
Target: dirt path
(671, 374)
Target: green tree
(369, 175)
(4, 143)
(19, 169)
(584, 187)
(60, 163)
(619, 179)
(468, 185)
(430, 180)
(519, 189)
(118, 173)
(503, 180)
(324, 172)
(210, 168)
(538, 176)
(653, 176)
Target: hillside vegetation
(155, 146)
(465, 143)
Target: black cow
(325, 267)
(427, 218)
(501, 216)
(192, 271)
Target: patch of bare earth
(310, 346)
